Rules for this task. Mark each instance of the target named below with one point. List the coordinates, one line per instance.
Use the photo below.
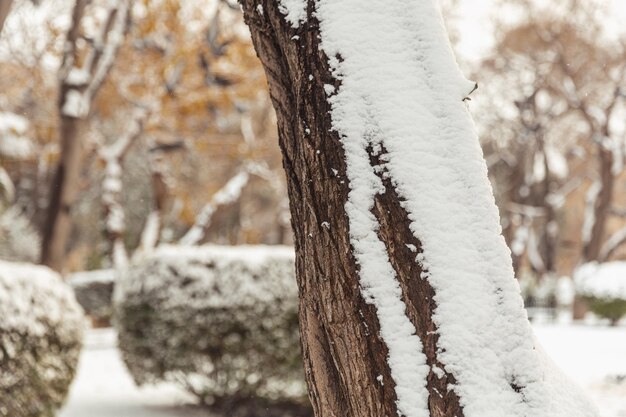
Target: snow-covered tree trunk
(5, 7)
(79, 83)
(409, 305)
(113, 157)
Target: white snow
(77, 77)
(232, 270)
(13, 122)
(14, 142)
(75, 104)
(20, 240)
(83, 278)
(602, 280)
(33, 297)
(103, 387)
(401, 88)
(294, 11)
(7, 189)
(589, 218)
(592, 356)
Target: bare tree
(554, 93)
(399, 253)
(80, 80)
(112, 155)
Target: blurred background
(167, 103)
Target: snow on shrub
(20, 240)
(41, 328)
(222, 321)
(604, 287)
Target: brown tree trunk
(602, 206)
(5, 7)
(63, 193)
(345, 358)
(78, 88)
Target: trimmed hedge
(221, 321)
(603, 286)
(41, 327)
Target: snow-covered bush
(94, 292)
(19, 240)
(603, 286)
(41, 328)
(220, 320)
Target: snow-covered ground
(103, 387)
(594, 356)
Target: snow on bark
(112, 186)
(82, 83)
(14, 142)
(589, 217)
(401, 91)
(294, 11)
(229, 193)
(615, 241)
(149, 234)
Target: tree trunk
(5, 7)
(380, 339)
(345, 362)
(78, 88)
(602, 205)
(63, 193)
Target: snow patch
(294, 11)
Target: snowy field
(594, 356)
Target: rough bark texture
(345, 359)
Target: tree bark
(345, 358)
(63, 194)
(5, 7)
(77, 90)
(602, 206)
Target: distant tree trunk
(601, 206)
(354, 365)
(5, 7)
(78, 88)
(63, 193)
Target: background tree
(192, 67)
(552, 101)
(81, 76)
